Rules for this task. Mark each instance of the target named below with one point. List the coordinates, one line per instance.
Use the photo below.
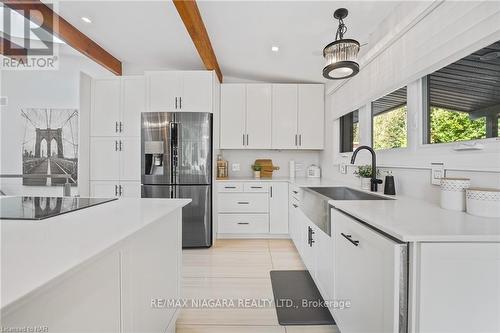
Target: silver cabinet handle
(121, 127)
(243, 203)
(296, 140)
(176, 103)
(295, 192)
(180, 102)
(120, 190)
(229, 186)
(295, 206)
(116, 145)
(300, 140)
(255, 186)
(241, 223)
(243, 139)
(116, 190)
(116, 127)
(247, 140)
(271, 191)
(121, 145)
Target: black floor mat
(298, 301)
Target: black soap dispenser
(389, 186)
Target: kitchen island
(94, 270)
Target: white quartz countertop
(412, 220)
(36, 252)
(406, 219)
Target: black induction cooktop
(39, 208)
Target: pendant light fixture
(341, 55)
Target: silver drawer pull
(294, 205)
(229, 186)
(243, 223)
(295, 192)
(255, 186)
(243, 202)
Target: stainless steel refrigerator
(176, 149)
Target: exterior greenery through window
(464, 98)
(389, 121)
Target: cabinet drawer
(230, 187)
(256, 187)
(243, 203)
(243, 223)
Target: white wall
(54, 89)
(280, 158)
(449, 32)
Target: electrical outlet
(437, 172)
(235, 167)
(343, 168)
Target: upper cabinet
(117, 106)
(258, 124)
(285, 108)
(246, 116)
(272, 116)
(311, 116)
(176, 91)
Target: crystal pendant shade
(341, 59)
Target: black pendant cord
(341, 30)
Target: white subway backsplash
(281, 158)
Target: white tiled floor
(236, 269)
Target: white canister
(453, 193)
(483, 202)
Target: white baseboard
(253, 236)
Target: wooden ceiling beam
(12, 50)
(55, 24)
(190, 15)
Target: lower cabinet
(369, 273)
(252, 209)
(109, 189)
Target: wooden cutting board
(267, 167)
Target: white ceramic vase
(483, 202)
(453, 193)
(365, 183)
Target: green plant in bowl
(365, 171)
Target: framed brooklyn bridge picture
(50, 146)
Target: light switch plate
(343, 168)
(437, 172)
(235, 167)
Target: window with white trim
(462, 100)
(389, 121)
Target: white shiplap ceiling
(148, 35)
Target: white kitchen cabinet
(130, 162)
(117, 106)
(134, 102)
(258, 116)
(284, 116)
(176, 91)
(233, 116)
(369, 273)
(311, 116)
(163, 91)
(104, 158)
(105, 111)
(110, 189)
(252, 208)
(324, 263)
(197, 91)
(278, 208)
